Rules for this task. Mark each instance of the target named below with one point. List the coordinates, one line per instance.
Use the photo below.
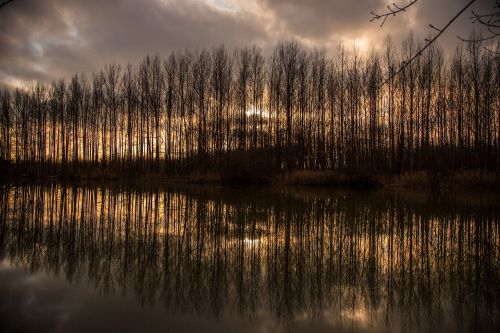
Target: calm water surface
(91, 259)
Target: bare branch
(392, 11)
(491, 22)
(493, 52)
(433, 27)
(428, 42)
(477, 40)
(5, 3)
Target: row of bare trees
(301, 109)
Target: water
(82, 259)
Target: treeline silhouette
(354, 259)
(295, 110)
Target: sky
(43, 40)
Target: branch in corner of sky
(428, 42)
(489, 21)
(5, 3)
(392, 10)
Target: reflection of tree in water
(379, 261)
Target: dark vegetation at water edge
(240, 117)
(420, 180)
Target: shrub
(248, 167)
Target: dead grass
(209, 178)
(414, 179)
(466, 179)
(251, 169)
(312, 178)
(328, 178)
(421, 180)
(473, 180)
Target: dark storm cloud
(321, 20)
(317, 19)
(46, 39)
(43, 40)
(440, 12)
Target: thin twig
(491, 22)
(5, 2)
(428, 42)
(391, 12)
(482, 39)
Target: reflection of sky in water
(39, 303)
(82, 260)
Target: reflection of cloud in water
(51, 304)
(32, 302)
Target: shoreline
(418, 180)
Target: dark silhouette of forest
(240, 112)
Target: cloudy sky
(41, 40)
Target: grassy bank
(237, 175)
(463, 179)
